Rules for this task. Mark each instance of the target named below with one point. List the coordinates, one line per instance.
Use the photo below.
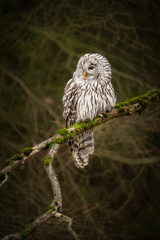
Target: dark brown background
(117, 196)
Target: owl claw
(100, 115)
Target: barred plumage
(88, 93)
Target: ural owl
(86, 94)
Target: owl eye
(91, 68)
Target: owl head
(93, 67)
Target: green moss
(67, 136)
(26, 151)
(51, 145)
(47, 160)
(2, 176)
(11, 160)
(141, 99)
(90, 123)
(24, 234)
(121, 110)
(8, 162)
(153, 91)
(79, 127)
(16, 157)
(51, 207)
(146, 97)
(126, 103)
(121, 104)
(80, 237)
(62, 131)
(59, 140)
(154, 97)
(56, 203)
(63, 139)
(118, 105)
(48, 144)
(27, 226)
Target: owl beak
(84, 74)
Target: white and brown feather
(84, 98)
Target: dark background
(117, 196)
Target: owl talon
(100, 115)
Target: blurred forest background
(117, 196)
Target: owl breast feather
(93, 98)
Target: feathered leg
(81, 146)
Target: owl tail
(81, 146)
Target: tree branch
(128, 107)
(55, 209)
(48, 162)
(41, 219)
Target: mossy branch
(29, 228)
(128, 107)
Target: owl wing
(70, 102)
(83, 144)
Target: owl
(86, 94)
